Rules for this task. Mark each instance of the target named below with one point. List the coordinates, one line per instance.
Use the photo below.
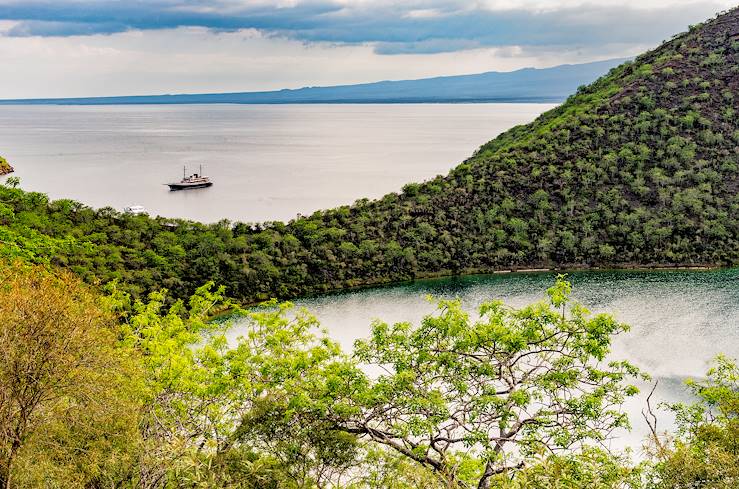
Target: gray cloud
(393, 28)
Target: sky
(69, 48)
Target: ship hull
(188, 186)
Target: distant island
(526, 85)
(5, 167)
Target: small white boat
(135, 209)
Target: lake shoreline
(508, 271)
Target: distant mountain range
(525, 85)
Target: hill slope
(639, 168)
(526, 85)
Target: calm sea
(268, 162)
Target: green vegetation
(68, 402)
(152, 396)
(513, 385)
(639, 168)
(5, 167)
(141, 383)
(705, 452)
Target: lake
(268, 162)
(679, 320)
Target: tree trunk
(7, 464)
(5, 474)
(485, 480)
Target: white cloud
(347, 43)
(188, 60)
(423, 13)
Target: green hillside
(641, 168)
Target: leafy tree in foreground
(282, 407)
(517, 399)
(221, 411)
(66, 412)
(474, 401)
(592, 468)
(705, 452)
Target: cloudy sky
(51, 48)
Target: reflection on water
(679, 319)
(267, 162)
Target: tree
(61, 379)
(592, 468)
(386, 469)
(705, 451)
(501, 390)
(234, 412)
(12, 182)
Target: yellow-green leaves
(207, 397)
(559, 293)
(497, 388)
(68, 393)
(705, 452)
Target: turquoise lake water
(679, 320)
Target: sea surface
(680, 320)
(267, 162)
